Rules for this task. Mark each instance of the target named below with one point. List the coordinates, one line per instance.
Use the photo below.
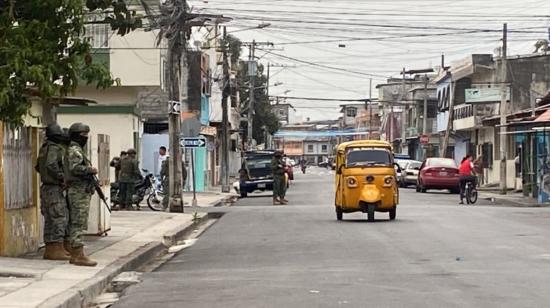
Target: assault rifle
(99, 191)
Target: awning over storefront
(543, 117)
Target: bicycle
(470, 192)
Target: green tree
(263, 115)
(43, 50)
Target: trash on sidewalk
(124, 280)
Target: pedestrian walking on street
(53, 205)
(79, 176)
(466, 173)
(279, 184)
(129, 175)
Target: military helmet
(54, 130)
(78, 128)
(131, 152)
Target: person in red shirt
(467, 174)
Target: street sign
(192, 142)
(484, 95)
(174, 107)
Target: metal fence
(18, 168)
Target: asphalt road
(436, 254)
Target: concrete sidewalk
(136, 237)
(510, 199)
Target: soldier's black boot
(79, 258)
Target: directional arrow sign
(192, 142)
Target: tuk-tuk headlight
(388, 181)
(352, 182)
(370, 179)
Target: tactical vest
(70, 177)
(47, 176)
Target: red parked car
(438, 173)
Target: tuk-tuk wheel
(393, 213)
(370, 212)
(339, 214)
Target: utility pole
(176, 52)
(370, 108)
(404, 114)
(252, 73)
(425, 113)
(449, 121)
(267, 85)
(226, 92)
(176, 32)
(503, 109)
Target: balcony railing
(415, 131)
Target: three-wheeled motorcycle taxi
(365, 179)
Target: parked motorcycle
(145, 187)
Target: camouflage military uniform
(279, 187)
(52, 200)
(129, 175)
(78, 175)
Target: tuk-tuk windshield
(368, 157)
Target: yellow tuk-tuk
(365, 179)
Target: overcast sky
(334, 47)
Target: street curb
(507, 202)
(221, 201)
(84, 293)
(171, 237)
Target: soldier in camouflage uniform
(129, 175)
(78, 175)
(279, 185)
(52, 199)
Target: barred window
(98, 34)
(18, 168)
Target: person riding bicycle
(467, 174)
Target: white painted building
(138, 64)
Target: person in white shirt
(163, 155)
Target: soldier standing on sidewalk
(129, 175)
(78, 174)
(279, 184)
(53, 204)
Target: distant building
(286, 113)
(311, 140)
